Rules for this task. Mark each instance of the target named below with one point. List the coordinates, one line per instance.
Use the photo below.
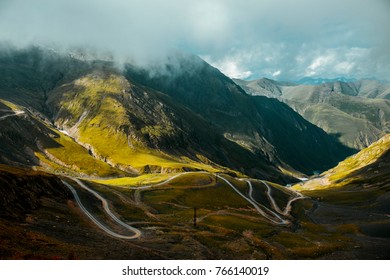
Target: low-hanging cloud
(247, 39)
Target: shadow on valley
(22, 137)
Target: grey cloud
(299, 33)
(261, 37)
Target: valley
(98, 162)
(234, 219)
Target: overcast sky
(280, 39)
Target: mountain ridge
(358, 112)
(188, 117)
(229, 108)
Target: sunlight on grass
(10, 105)
(142, 180)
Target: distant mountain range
(357, 112)
(318, 81)
(179, 161)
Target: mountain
(263, 87)
(27, 140)
(365, 171)
(358, 112)
(318, 81)
(261, 125)
(184, 116)
(356, 192)
(101, 162)
(372, 89)
(51, 90)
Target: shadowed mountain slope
(264, 126)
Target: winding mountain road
(276, 216)
(271, 199)
(161, 183)
(105, 205)
(287, 209)
(137, 232)
(281, 220)
(255, 203)
(273, 216)
(276, 208)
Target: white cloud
(276, 73)
(322, 61)
(337, 62)
(229, 67)
(344, 67)
(208, 22)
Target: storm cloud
(245, 39)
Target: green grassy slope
(152, 133)
(227, 225)
(356, 193)
(28, 141)
(362, 180)
(347, 170)
(364, 158)
(141, 130)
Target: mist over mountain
(250, 40)
(255, 123)
(183, 109)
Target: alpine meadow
(194, 130)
